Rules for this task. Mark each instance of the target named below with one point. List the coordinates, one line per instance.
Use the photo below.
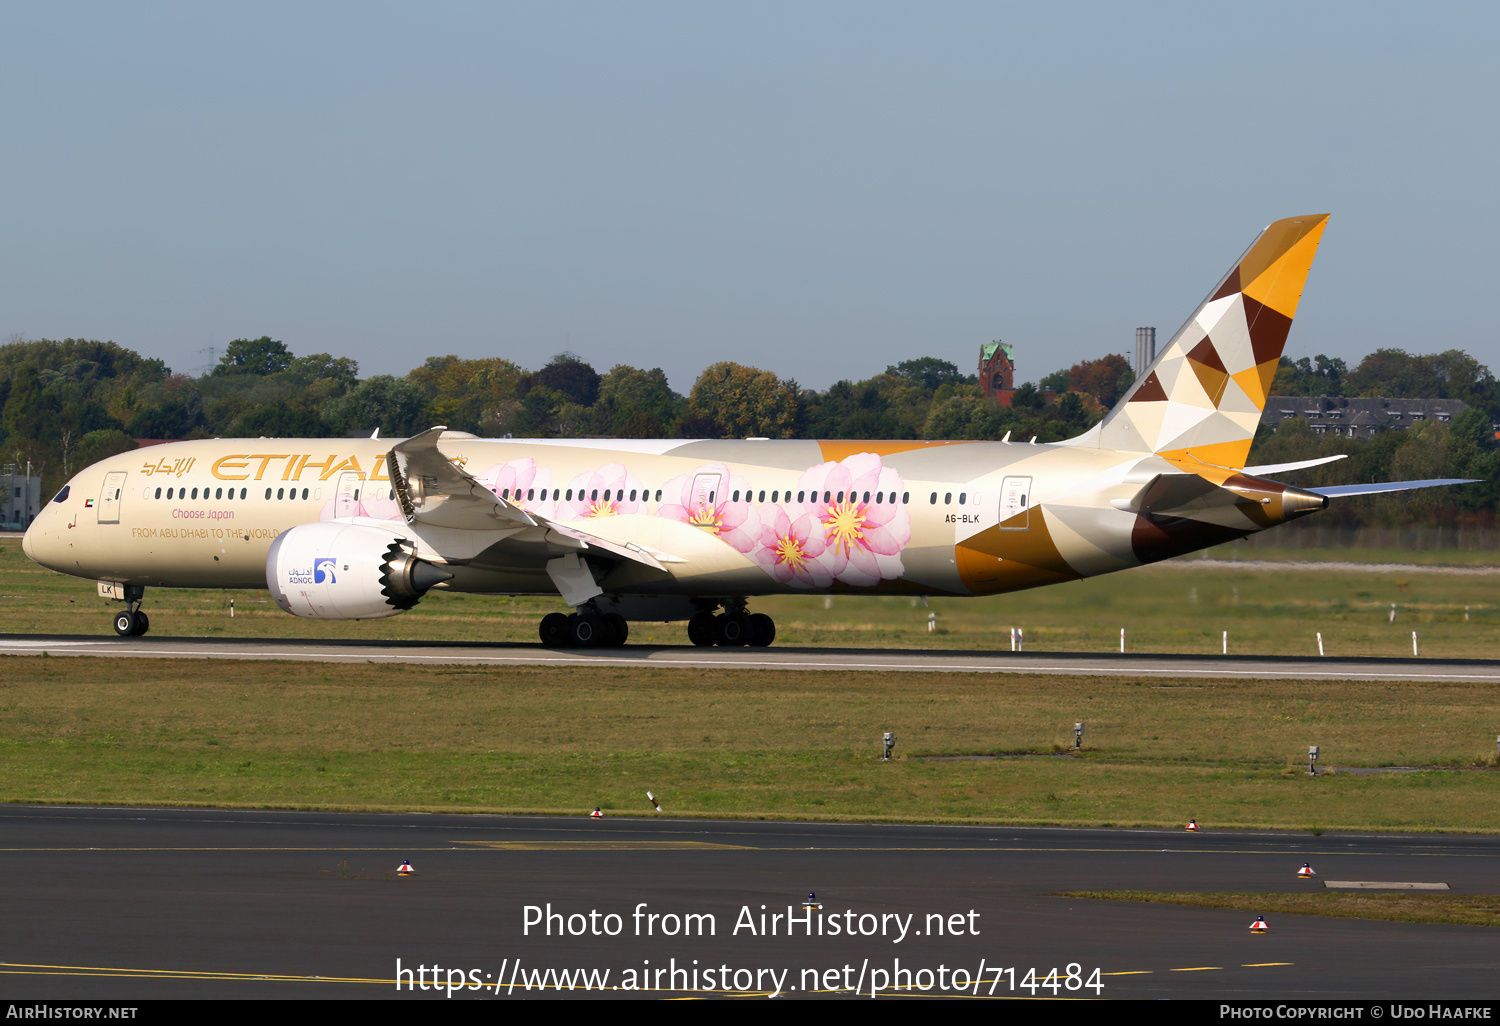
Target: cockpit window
(62, 496)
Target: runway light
(889, 742)
(1077, 736)
(1312, 760)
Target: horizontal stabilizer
(1375, 488)
(1281, 468)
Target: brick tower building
(997, 371)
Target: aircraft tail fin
(1202, 397)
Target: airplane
(671, 529)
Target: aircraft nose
(36, 541)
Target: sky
(816, 189)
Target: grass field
(1263, 550)
(790, 744)
(784, 744)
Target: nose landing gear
(132, 622)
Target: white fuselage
(726, 517)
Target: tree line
(65, 404)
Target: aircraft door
(704, 497)
(109, 497)
(1015, 504)
(347, 495)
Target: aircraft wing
(432, 490)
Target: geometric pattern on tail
(1202, 397)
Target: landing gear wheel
(142, 624)
(616, 630)
(734, 630)
(125, 624)
(762, 630)
(586, 630)
(702, 629)
(554, 630)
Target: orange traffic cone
(1259, 926)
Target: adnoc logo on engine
(323, 568)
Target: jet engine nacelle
(342, 571)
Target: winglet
(1201, 399)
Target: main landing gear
(132, 622)
(734, 627)
(587, 628)
(590, 628)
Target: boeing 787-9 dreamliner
(675, 529)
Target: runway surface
(132, 904)
(775, 658)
